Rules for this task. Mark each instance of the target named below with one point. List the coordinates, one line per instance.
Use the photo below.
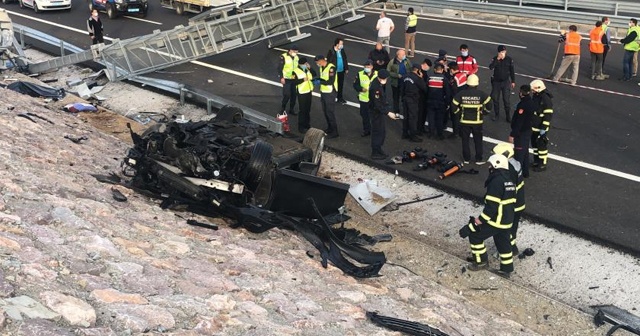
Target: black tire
(230, 113)
(35, 7)
(111, 11)
(179, 8)
(314, 140)
(258, 165)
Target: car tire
(258, 165)
(230, 113)
(314, 140)
(179, 8)
(111, 11)
(35, 7)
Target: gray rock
(139, 318)
(67, 217)
(40, 327)
(23, 305)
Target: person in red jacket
(467, 64)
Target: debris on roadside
(405, 326)
(76, 139)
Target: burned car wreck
(229, 166)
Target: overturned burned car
(232, 167)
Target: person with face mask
(571, 57)
(631, 47)
(304, 75)
(398, 68)
(467, 64)
(379, 108)
(94, 27)
(412, 89)
(361, 84)
(521, 128)
(502, 81)
(288, 63)
(380, 57)
(437, 101)
(425, 67)
(328, 85)
(338, 57)
(385, 28)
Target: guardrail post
(508, 20)
(520, 3)
(615, 11)
(61, 48)
(566, 4)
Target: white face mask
(95, 15)
(294, 54)
(464, 53)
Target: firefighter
(515, 169)
(361, 85)
(521, 128)
(496, 218)
(288, 63)
(328, 86)
(466, 63)
(540, 124)
(437, 102)
(304, 75)
(471, 105)
(412, 88)
(378, 108)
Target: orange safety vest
(572, 44)
(596, 46)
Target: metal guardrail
(615, 8)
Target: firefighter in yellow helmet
(496, 218)
(470, 106)
(515, 170)
(540, 124)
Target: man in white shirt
(385, 27)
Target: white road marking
(141, 19)
(55, 24)
(468, 39)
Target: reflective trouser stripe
(477, 251)
(520, 208)
(506, 258)
(513, 240)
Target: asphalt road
(593, 180)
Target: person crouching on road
(94, 27)
(361, 84)
(496, 218)
(328, 87)
(471, 105)
(379, 108)
(304, 87)
(413, 89)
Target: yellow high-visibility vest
(324, 75)
(365, 83)
(304, 87)
(290, 63)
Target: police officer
(521, 128)
(288, 63)
(437, 102)
(304, 87)
(412, 89)
(496, 218)
(422, 113)
(328, 86)
(502, 81)
(471, 104)
(515, 170)
(540, 124)
(361, 85)
(378, 108)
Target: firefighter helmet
(537, 85)
(498, 161)
(504, 148)
(473, 80)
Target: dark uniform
(378, 109)
(521, 131)
(437, 101)
(503, 75)
(412, 89)
(540, 125)
(361, 84)
(285, 70)
(470, 106)
(328, 87)
(304, 88)
(496, 220)
(515, 170)
(95, 29)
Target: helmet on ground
(537, 85)
(504, 148)
(473, 80)
(498, 161)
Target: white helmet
(498, 161)
(537, 85)
(504, 148)
(473, 80)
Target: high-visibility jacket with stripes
(515, 170)
(470, 104)
(543, 113)
(572, 43)
(325, 76)
(289, 65)
(595, 40)
(635, 44)
(468, 65)
(364, 82)
(499, 200)
(304, 86)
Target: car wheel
(230, 113)
(35, 7)
(314, 140)
(258, 165)
(111, 11)
(179, 8)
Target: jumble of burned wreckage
(229, 166)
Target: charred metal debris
(231, 167)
